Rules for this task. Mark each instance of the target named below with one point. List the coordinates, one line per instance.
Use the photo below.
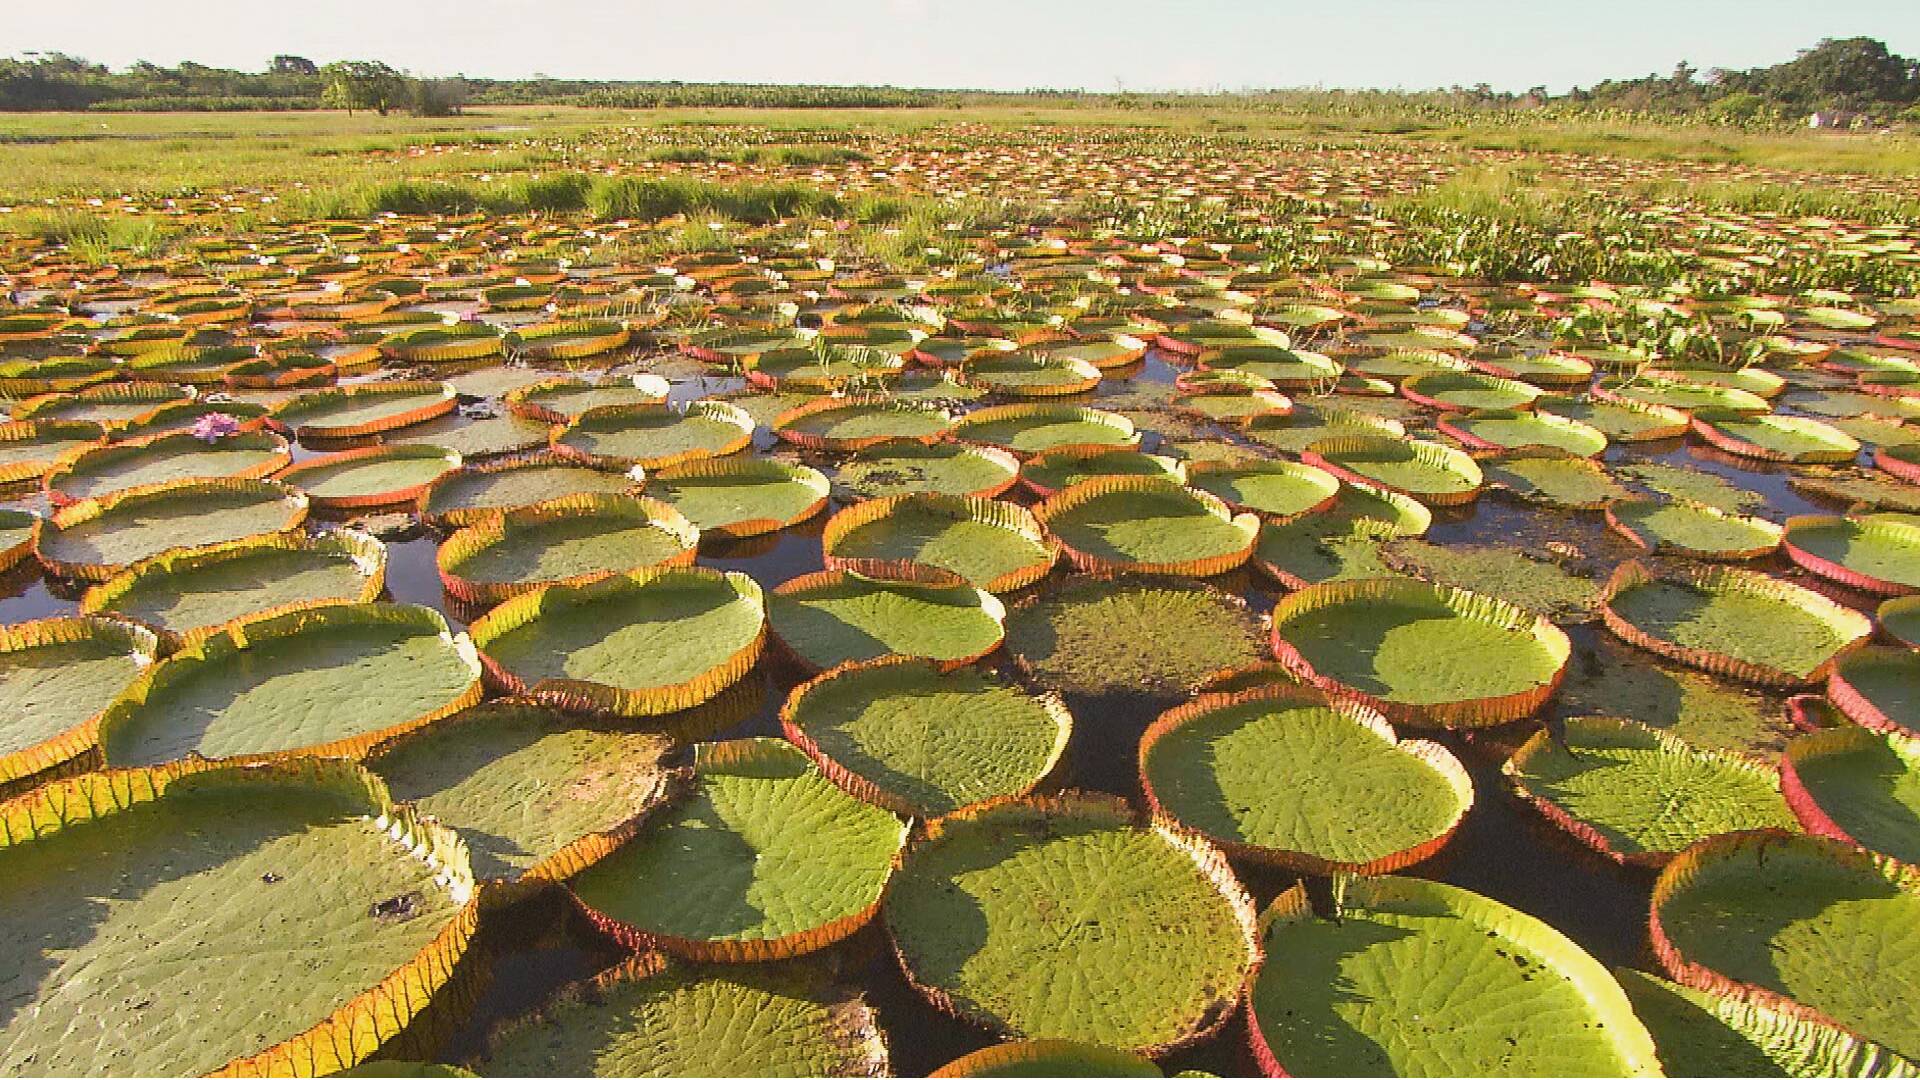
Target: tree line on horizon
(1859, 75)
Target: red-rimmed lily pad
(655, 436)
(1510, 429)
(103, 470)
(188, 596)
(1620, 419)
(1287, 776)
(326, 680)
(1047, 1057)
(633, 644)
(97, 538)
(1879, 689)
(28, 449)
(996, 546)
(1736, 623)
(904, 734)
(1430, 472)
(844, 425)
(124, 889)
(912, 468)
(1422, 654)
(757, 856)
(56, 677)
(559, 400)
(1052, 471)
(1875, 554)
(1467, 391)
(1858, 786)
(1071, 918)
(371, 477)
(361, 410)
(1693, 529)
(1278, 491)
(568, 540)
(1808, 925)
(1638, 795)
(474, 492)
(1029, 428)
(1376, 990)
(833, 617)
(741, 496)
(1796, 440)
(1137, 524)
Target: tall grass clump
(95, 238)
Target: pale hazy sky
(998, 44)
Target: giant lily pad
(95, 539)
(370, 477)
(124, 890)
(901, 734)
(1147, 525)
(1638, 795)
(1066, 918)
(844, 425)
(760, 857)
(1553, 478)
(911, 468)
(1879, 688)
(188, 596)
(634, 644)
(1276, 490)
(353, 412)
(1504, 573)
(1733, 622)
(1285, 775)
(1023, 374)
(1309, 424)
(1684, 396)
(655, 436)
(328, 680)
(1131, 635)
(1808, 925)
(1047, 1057)
(1053, 471)
(568, 540)
(1030, 428)
(1376, 990)
(1793, 439)
(557, 401)
(994, 545)
(474, 492)
(1685, 527)
(1858, 786)
(1703, 1034)
(741, 496)
(1422, 654)
(1464, 391)
(56, 677)
(161, 459)
(652, 1018)
(1508, 429)
(1880, 555)
(1620, 419)
(521, 782)
(833, 617)
(1435, 474)
(28, 449)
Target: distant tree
(362, 84)
(286, 64)
(1848, 73)
(437, 97)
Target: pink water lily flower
(215, 426)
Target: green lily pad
(943, 468)
(322, 680)
(1685, 396)
(1063, 918)
(1375, 991)
(29, 448)
(56, 677)
(741, 496)
(95, 539)
(995, 546)
(1639, 795)
(634, 644)
(1615, 679)
(1859, 786)
(1139, 636)
(656, 436)
(493, 436)
(1797, 919)
(1557, 480)
(1430, 472)
(1876, 687)
(1692, 485)
(363, 409)
(1323, 547)
(847, 424)
(760, 857)
(1423, 654)
(1273, 489)
(1285, 775)
(1022, 374)
(832, 618)
(559, 400)
(474, 492)
(1507, 429)
(520, 782)
(1682, 527)
(902, 735)
(375, 476)
(648, 1018)
(1733, 622)
(1030, 428)
(164, 459)
(1284, 367)
(1702, 1034)
(571, 539)
(189, 595)
(1147, 525)
(1626, 421)
(1055, 470)
(1310, 424)
(1794, 439)
(133, 886)
(1469, 390)
(1881, 556)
